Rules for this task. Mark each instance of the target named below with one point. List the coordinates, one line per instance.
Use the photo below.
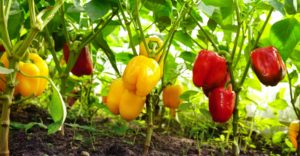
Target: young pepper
(27, 85)
(293, 132)
(171, 98)
(268, 66)
(141, 75)
(83, 64)
(210, 70)
(221, 104)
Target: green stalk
(137, 18)
(293, 101)
(237, 89)
(6, 101)
(127, 24)
(149, 109)
(3, 26)
(205, 34)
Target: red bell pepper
(268, 66)
(221, 104)
(210, 70)
(83, 65)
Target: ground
(82, 140)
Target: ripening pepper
(27, 85)
(115, 93)
(268, 66)
(2, 49)
(154, 44)
(210, 70)
(83, 64)
(131, 105)
(141, 75)
(293, 132)
(221, 104)
(171, 96)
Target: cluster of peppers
(127, 95)
(27, 84)
(210, 72)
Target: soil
(78, 139)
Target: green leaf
(57, 109)
(297, 92)
(278, 104)
(184, 106)
(218, 3)
(97, 9)
(4, 70)
(100, 42)
(285, 41)
(162, 12)
(188, 56)
(187, 94)
(27, 126)
(277, 6)
(278, 137)
(290, 6)
(184, 38)
(124, 57)
(15, 21)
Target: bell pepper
(83, 65)
(141, 75)
(171, 96)
(27, 85)
(115, 93)
(268, 66)
(131, 105)
(293, 132)
(2, 49)
(221, 104)
(154, 44)
(210, 70)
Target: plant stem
(138, 22)
(3, 26)
(149, 104)
(7, 101)
(205, 34)
(127, 24)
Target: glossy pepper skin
(83, 64)
(131, 105)
(209, 70)
(155, 52)
(221, 104)
(114, 96)
(141, 75)
(268, 66)
(171, 96)
(26, 85)
(293, 132)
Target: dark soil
(84, 141)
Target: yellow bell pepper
(115, 93)
(141, 75)
(27, 85)
(293, 132)
(131, 105)
(154, 45)
(171, 96)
